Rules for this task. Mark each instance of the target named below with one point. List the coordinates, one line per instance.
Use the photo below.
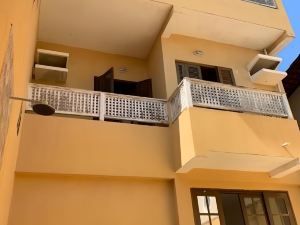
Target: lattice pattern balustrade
(215, 95)
(178, 101)
(67, 101)
(136, 109)
(191, 92)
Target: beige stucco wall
(23, 16)
(227, 180)
(55, 199)
(240, 10)
(160, 64)
(181, 48)
(77, 146)
(199, 131)
(157, 70)
(85, 64)
(63, 200)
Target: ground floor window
(223, 207)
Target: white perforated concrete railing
(99, 104)
(193, 92)
(66, 100)
(190, 92)
(133, 108)
(181, 99)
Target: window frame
(199, 65)
(264, 195)
(252, 195)
(288, 203)
(205, 192)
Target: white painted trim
(286, 169)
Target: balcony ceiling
(116, 26)
(221, 29)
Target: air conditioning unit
(262, 70)
(51, 66)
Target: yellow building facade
(167, 112)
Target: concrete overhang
(241, 162)
(286, 169)
(115, 26)
(225, 30)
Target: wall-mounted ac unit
(262, 70)
(51, 66)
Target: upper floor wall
(84, 64)
(240, 23)
(181, 48)
(230, 33)
(58, 145)
(243, 10)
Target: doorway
(107, 83)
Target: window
(254, 210)
(280, 209)
(204, 72)
(217, 207)
(269, 3)
(206, 208)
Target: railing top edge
(63, 88)
(234, 87)
(95, 92)
(134, 97)
(175, 91)
(157, 99)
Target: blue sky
(291, 52)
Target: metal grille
(270, 3)
(215, 95)
(67, 101)
(136, 108)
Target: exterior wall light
(123, 69)
(39, 107)
(198, 53)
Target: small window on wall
(204, 72)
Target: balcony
(191, 92)
(198, 93)
(210, 125)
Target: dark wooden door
(105, 82)
(144, 88)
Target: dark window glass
(254, 210)
(209, 74)
(194, 71)
(180, 71)
(232, 209)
